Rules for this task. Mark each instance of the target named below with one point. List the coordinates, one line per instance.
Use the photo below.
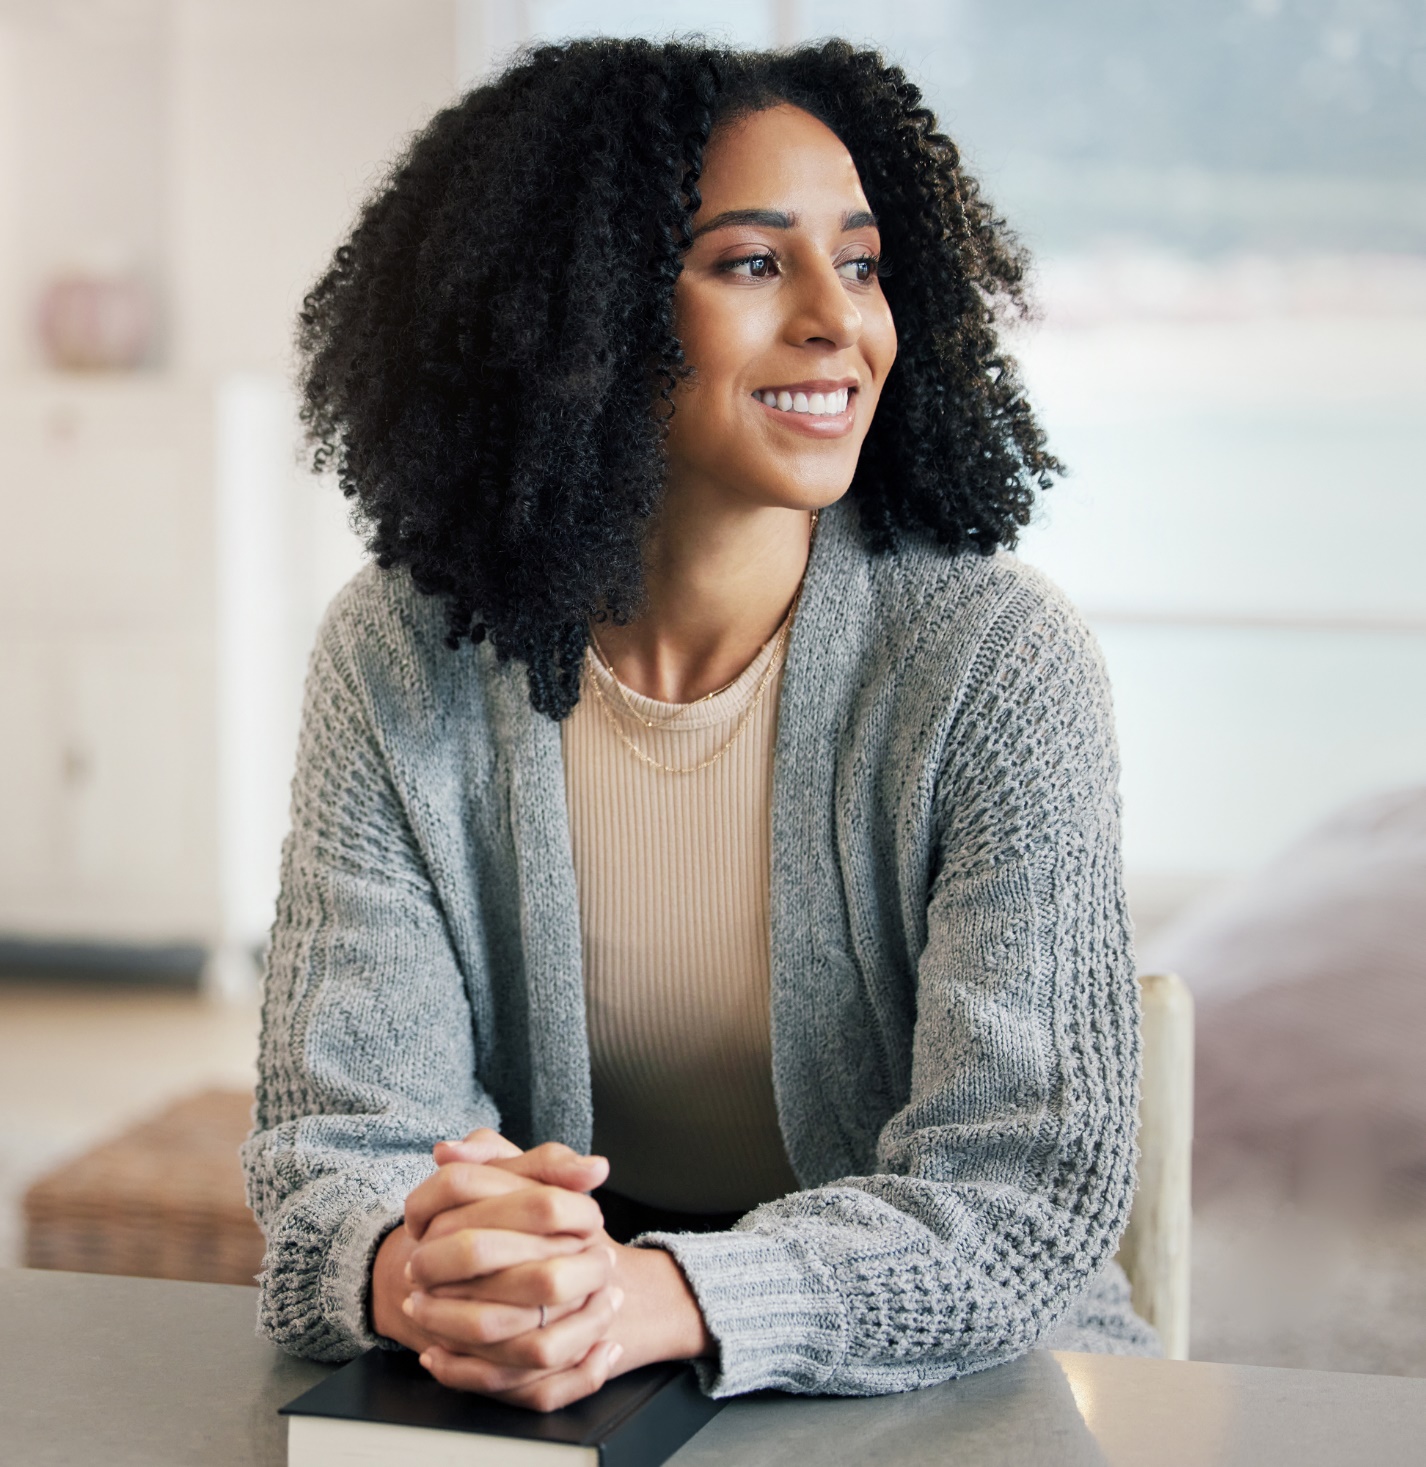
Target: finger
(485, 1215)
(530, 1208)
(552, 1163)
(514, 1338)
(529, 1313)
(468, 1322)
(535, 1390)
(505, 1365)
(472, 1253)
(466, 1326)
(551, 1392)
(453, 1186)
(493, 1249)
(561, 1344)
(558, 1166)
(551, 1213)
(466, 1372)
(482, 1145)
(548, 1281)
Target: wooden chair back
(1155, 1248)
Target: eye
(863, 269)
(752, 267)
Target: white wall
(283, 117)
(10, 329)
(82, 95)
(219, 147)
(1244, 525)
(107, 766)
(282, 550)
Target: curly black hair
(488, 362)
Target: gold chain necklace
(733, 738)
(772, 664)
(677, 715)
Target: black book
(384, 1408)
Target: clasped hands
(504, 1280)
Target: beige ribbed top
(672, 871)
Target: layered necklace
(596, 653)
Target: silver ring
(542, 1316)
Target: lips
(826, 412)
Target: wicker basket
(163, 1200)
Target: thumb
(480, 1146)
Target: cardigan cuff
(771, 1305)
(344, 1288)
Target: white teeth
(816, 404)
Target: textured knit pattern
(954, 1008)
(673, 876)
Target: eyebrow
(777, 219)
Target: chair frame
(1155, 1250)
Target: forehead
(780, 158)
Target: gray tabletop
(115, 1371)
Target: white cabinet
(107, 731)
(165, 560)
(33, 774)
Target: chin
(816, 491)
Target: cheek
(697, 334)
(720, 331)
(880, 338)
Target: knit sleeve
(367, 1052)
(1003, 1183)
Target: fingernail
(616, 1298)
(615, 1351)
(426, 1360)
(407, 1307)
(406, 1272)
(612, 1256)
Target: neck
(718, 586)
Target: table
(108, 1372)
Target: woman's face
(781, 317)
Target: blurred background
(1227, 207)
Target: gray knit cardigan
(954, 1008)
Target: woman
(691, 775)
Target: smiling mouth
(813, 404)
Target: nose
(823, 313)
